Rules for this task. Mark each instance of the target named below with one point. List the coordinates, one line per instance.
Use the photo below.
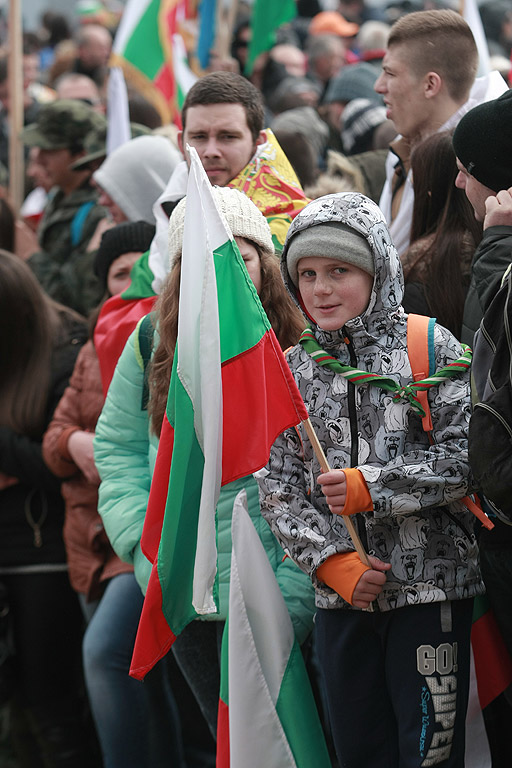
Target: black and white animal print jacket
(418, 523)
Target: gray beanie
(354, 81)
(329, 240)
(243, 218)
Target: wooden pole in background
(224, 23)
(15, 66)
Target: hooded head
(348, 227)
(135, 174)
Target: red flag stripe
(223, 736)
(158, 494)
(492, 662)
(252, 384)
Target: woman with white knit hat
(124, 494)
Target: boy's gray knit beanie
(329, 240)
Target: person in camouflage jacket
(64, 263)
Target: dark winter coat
(36, 498)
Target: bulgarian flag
(267, 16)
(267, 713)
(231, 394)
(150, 50)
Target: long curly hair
(284, 317)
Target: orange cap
(332, 23)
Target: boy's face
(333, 291)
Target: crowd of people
(363, 168)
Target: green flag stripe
(176, 555)
(141, 279)
(143, 49)
(242, 321)
(301, 724)
(267, 17)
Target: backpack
(490, 428)
(420, 350)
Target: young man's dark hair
(227, 88)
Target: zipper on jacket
(457, 522)
(354, 436)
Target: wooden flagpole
(224, 23)
(15, 80)
(324, 465)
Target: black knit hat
(128, 237)
(482, 142)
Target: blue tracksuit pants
(397, 684)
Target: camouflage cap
(63, 124)
(95, 144)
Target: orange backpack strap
(420, 348)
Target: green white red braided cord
(407, 392)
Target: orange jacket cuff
(342, 572)
(358, 496)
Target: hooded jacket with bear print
(417, 523)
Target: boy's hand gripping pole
(324, 465)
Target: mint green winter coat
(125, 452)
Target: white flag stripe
(199, 367)
(473, 18)
(185, 78)
(260, 641)
(478, 754)
(118, 125)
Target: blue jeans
(137, 723)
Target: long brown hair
(29, 322)
(443, 213)
(284, 317)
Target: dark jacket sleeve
(21, 457)
(492, 257)
(414, 299)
